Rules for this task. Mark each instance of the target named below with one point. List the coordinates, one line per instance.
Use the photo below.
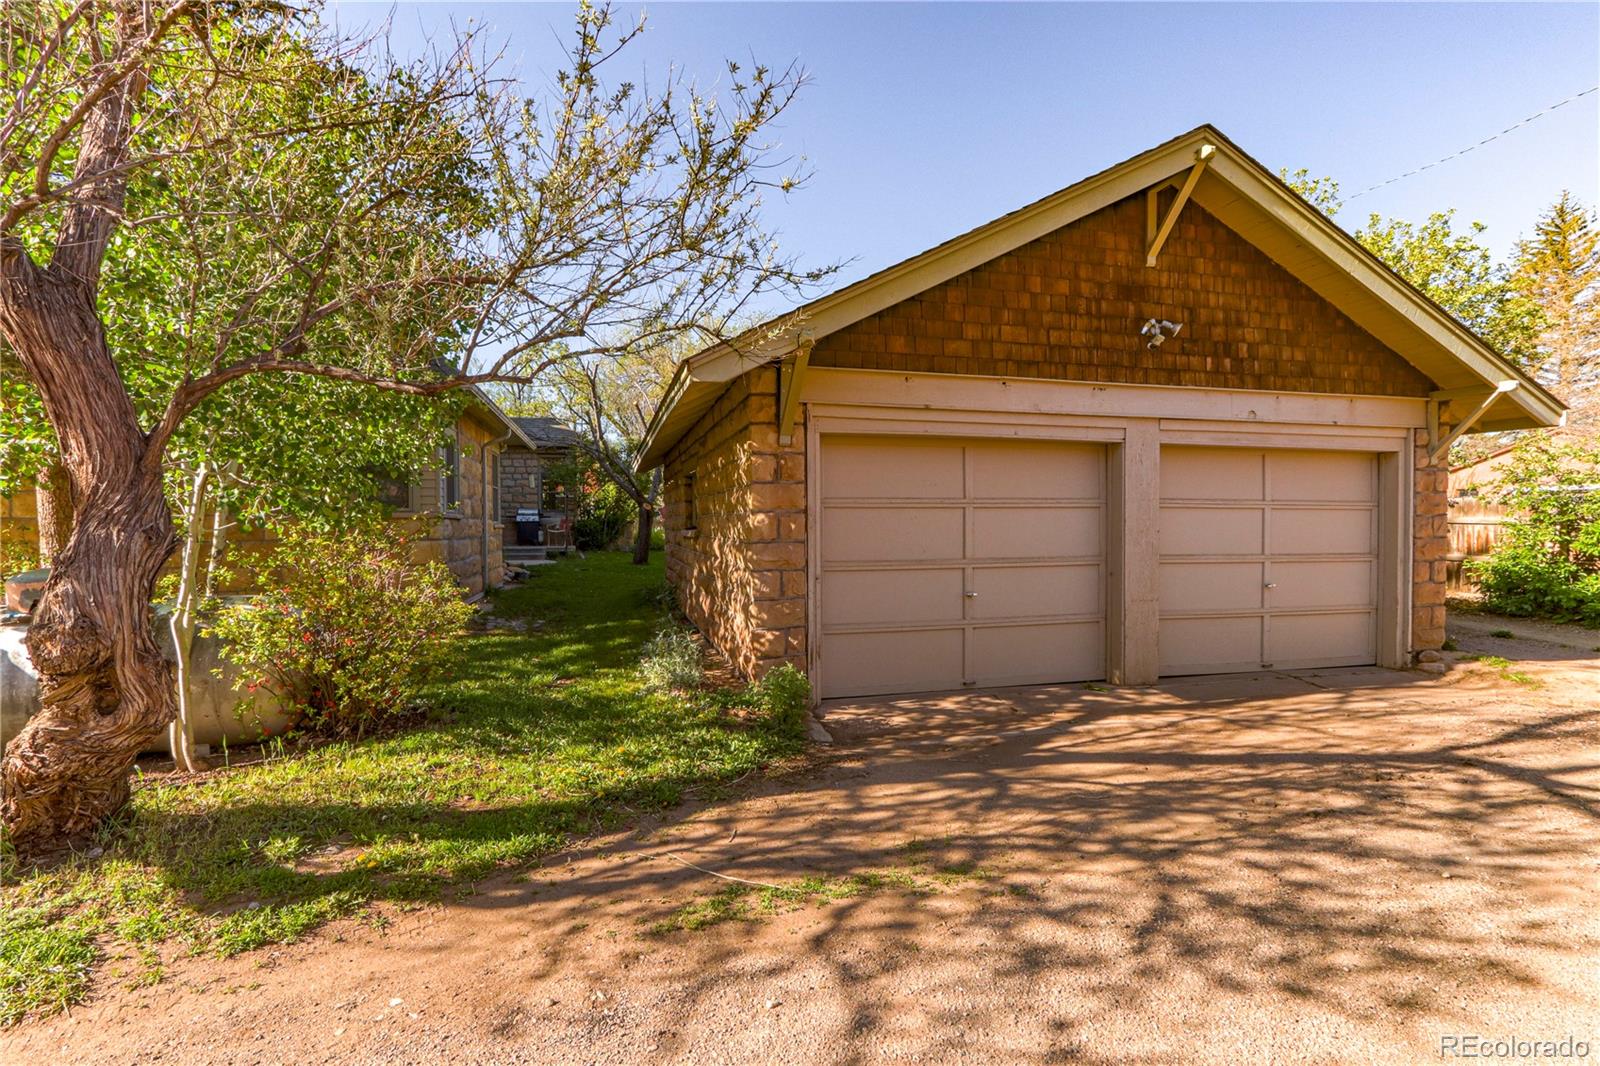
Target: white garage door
(948, 563)
(1269, 559)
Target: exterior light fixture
(1158, 330)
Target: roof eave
(701, 377)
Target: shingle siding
(1069, 305)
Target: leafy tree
(1548, 563)
(1459, 274)
(600, 221)
(1319, 191)
(1558, 269)
(611, 401)
(1452, 269)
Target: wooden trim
(1438, 449)
(1202, 156)
(1325, 439)
(791, 381)
(1091, 403)
(814, 476)
(1135, 589)
(1395, 548)
(961, 424)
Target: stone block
(777, 555)
(762, 466)
(778, 496)
(778, 614)
(768, 584)
(768, 643)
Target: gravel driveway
(1346, 866)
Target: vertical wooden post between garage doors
(1133, 591)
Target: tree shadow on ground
(1348, 853)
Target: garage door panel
(1035, 654)
(1189, 587)
(1301, 641)
(1210, 645)
(1008, 470)
(1211, 474)
(1322, 531)
(1035, 532)
(868, 597)
(892, 534)
(867, 469)
(1329, 583)
(1187, 530)
(1035, 591)
(908, 527)
(870, 664)
(1322, 476)
(1309, 518)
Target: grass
(1506, 669)
(541, 737)
(916, 873)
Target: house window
(395, 492)
(691, 517)
(494, 485)
(450, 477)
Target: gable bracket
(1439, 404)
(791, 376)
(1202, 156)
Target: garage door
(1268, 559)
(948, 563)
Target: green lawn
(540, 737)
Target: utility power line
(1480, 144)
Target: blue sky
(924, 120)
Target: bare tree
(602, 221)
(610, 402)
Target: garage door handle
(970, 595)
(1272, 584)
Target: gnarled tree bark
(53, 496)
(105, 689)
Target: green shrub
(784, 696)
(1548, 562)
(355, 633)
(17, 557)
(671, 660)
(603, 514)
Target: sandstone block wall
(1430, 546)
(740, 572)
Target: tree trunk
(641, 542)
(105, 690)
(180, 733)
(53, 494)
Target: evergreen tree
(1559, 269)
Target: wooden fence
(1475, 528)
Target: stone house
(1169, 420)
(456, 509)
(528, 481)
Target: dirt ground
(1337, 866)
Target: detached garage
(1169, 420)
